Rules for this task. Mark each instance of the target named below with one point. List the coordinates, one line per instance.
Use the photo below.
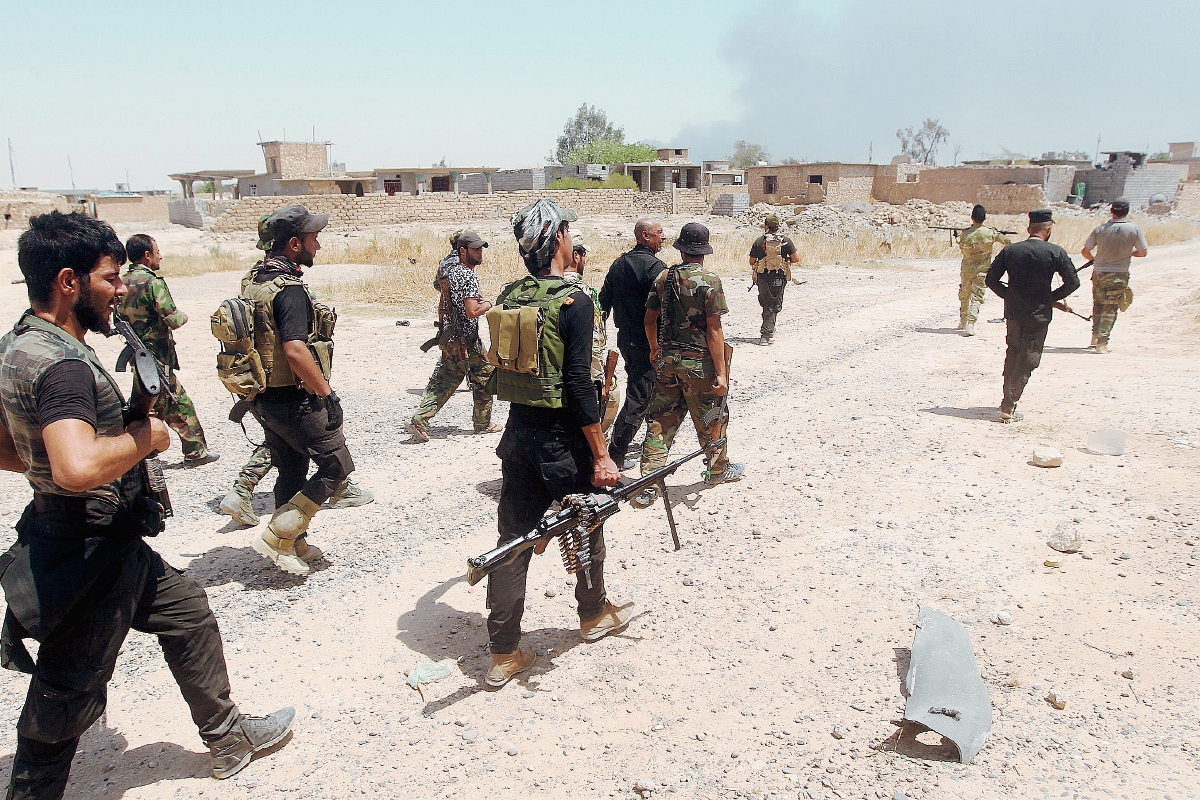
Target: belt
(59, 504)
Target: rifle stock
(601, 505)
(610, 370)
(149, 383)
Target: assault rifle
(955, 231)
(149, 383)
(573, 525)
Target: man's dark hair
(138, 247)
(58, 241)
(979, 213)
(1120, 209)
(1038, 227)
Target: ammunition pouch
(516, 333)
(239, 366)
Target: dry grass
(216, 260)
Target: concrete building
(720, 173)
(1004, 189)
(670, 169)
(1127, 173)
(1186, 153)
(301, 168)
(419, 180)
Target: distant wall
(1013, 198)
(18, 207)
(371, 210)
(133, 209)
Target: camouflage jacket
(152, 313)
(976, 243)
(685, 295)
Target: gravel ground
(764, 661)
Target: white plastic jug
(1106, 442)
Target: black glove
(333, 407)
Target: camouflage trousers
(683, 385)
(1110, 294)
(446, 378)
(256, 468)
(180, 416)
(971, 291)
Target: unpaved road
(876, 482)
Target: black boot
(249, 735)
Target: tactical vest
(527, 347)
(773, 260)
(266, 331)
(31, 348)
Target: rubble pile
(851, 219)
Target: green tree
(746, 154)
(921, 145)
(609, 151)
(588, 125)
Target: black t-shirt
(1031, 266)
(575, 324)
(759, 248)
(67, 391)
(292, 307)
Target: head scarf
(536, 228)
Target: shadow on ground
(914, 740)
(433, 624)
(955, 331)
(104, 765)
(225, 564)
(987, 413)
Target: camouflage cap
(535, 227)
(772, 222)
(693, 240)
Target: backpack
(238, 364)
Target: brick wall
(296, 159)
(849, 189)
(1013, 198)
(372, 210)
(1187, 202)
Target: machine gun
(149, 383)
(956, 231)
(573, 524)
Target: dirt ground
(877, 481)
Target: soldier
(300, 414)
(687, 345)
(624, 295)
(153, 315)
(610, 395)
(552, 445)
(1115, 243)
(239, 501)
(1029, 302)
(771, 259)
(80, 574)
(976, 243)
(462, 351)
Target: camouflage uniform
(685, 371)
(1110, 294)
(976, 243)
(608, 414)
(462, 354)
(152, 314)
(449, 374)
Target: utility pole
(12, 173)
(72, 171)
(870, 153)
(128, 188)
(1097, 159)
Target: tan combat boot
(308, 553)
(278, 540)
(613, 619)
(506, 665)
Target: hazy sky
(154, 88)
